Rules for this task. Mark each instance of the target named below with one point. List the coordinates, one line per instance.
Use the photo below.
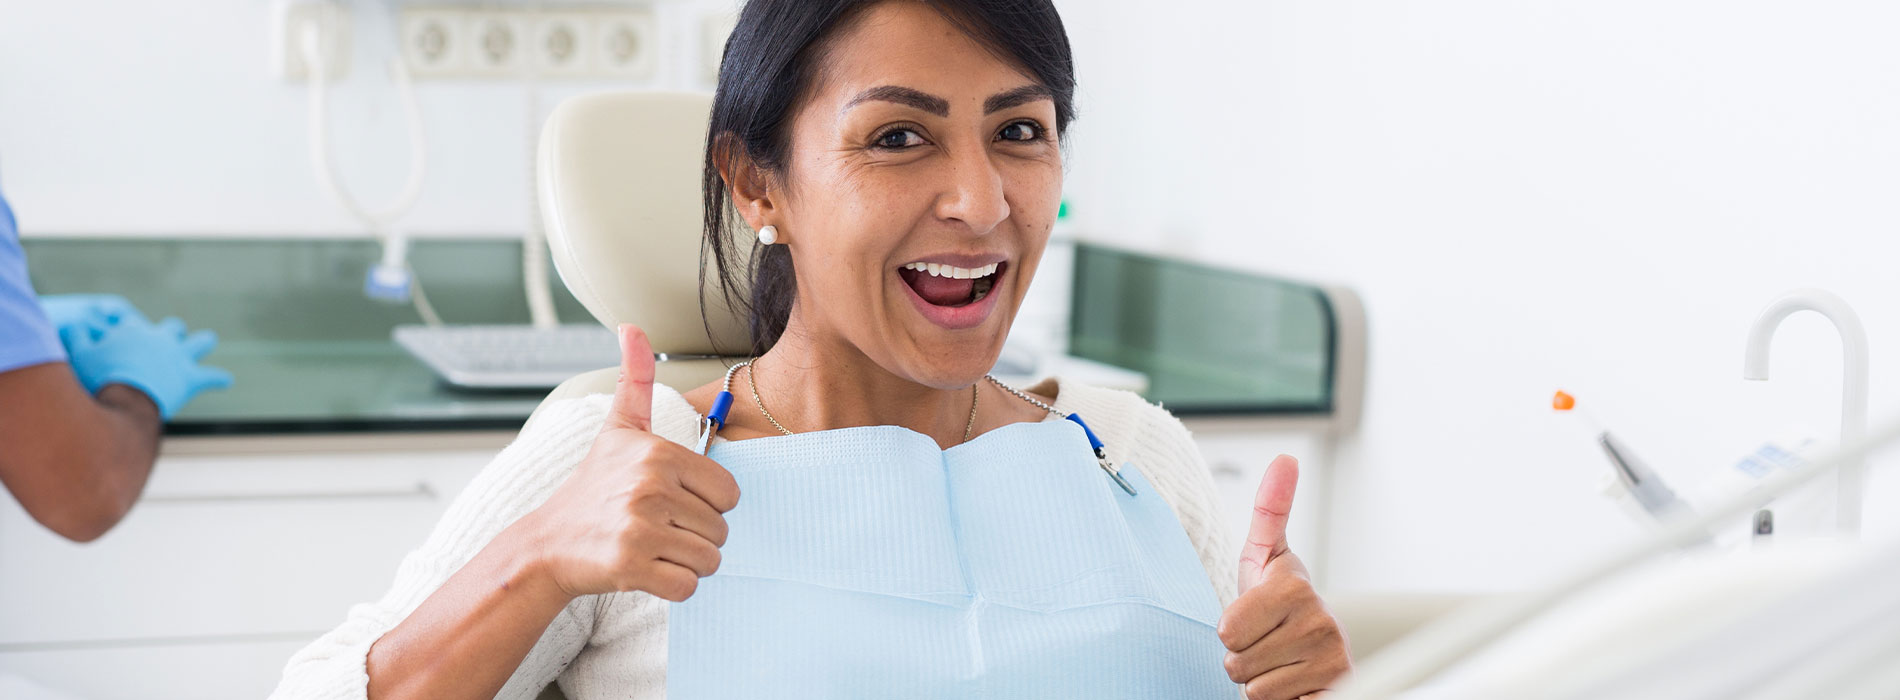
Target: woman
(860, 138)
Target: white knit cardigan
(614, 645)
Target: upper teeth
(952, 271)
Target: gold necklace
(751, 379)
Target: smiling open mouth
(944, 285)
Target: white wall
(1529, 194)
(131, 117)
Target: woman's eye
(1022, 131)
(899, 138)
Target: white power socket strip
(450, 42)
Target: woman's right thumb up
(633, 395)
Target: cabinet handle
(422, 491)
(1225, 469)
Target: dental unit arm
(1646, 496)
(1456, 636)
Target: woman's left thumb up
(1266, 535)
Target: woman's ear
(748, 186)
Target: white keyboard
(510, 357)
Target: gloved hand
(159, 360)
(73, 309)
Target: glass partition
(1211, 340)
(310, 351)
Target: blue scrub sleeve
(26, 337)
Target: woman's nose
(974, 193)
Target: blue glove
(75, 309)
(159, 360)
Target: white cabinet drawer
(211, 671)
(229, 545)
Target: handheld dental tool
(1643, 484)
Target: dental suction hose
(1451, 639)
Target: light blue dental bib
(867, 563)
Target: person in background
(86, 382)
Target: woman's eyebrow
(941, 107)
(903, 96)
(1019, 96)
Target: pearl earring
(768, 235)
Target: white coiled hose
(394, 268)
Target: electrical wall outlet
(498, 43)
(562, 42)
(433, 42)
(626, 44)
(331, 20)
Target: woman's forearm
(466, 639)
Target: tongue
(942, 291)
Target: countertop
(312, 354)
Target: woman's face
(917, 145)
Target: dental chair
(618, 178)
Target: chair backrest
(619, 178)
(619, 181)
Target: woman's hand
(1282, 642)
(640, 512)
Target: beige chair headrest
(620, 198)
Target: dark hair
(770, 60)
